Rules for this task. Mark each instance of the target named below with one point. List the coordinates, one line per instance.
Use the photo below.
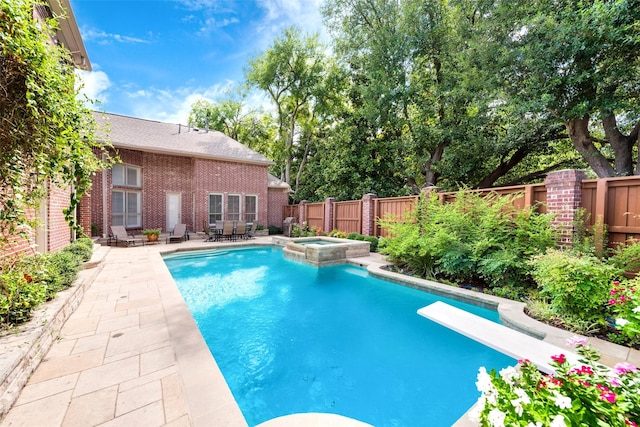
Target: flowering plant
(625, 302)
(586, 395)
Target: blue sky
(153, 59)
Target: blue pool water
(292, 338)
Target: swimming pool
(292, 338)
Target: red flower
(559, 358)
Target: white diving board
(498, 337)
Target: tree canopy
(453, 93)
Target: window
(126, 208)
(233, 207)
(215, 208)
(126, 176)
(251, 208)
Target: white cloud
(281, 14)
(173, 105)
(94, 84)
(99, 36)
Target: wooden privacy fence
(315, 215)
(396, 207)
(347, 216)
(613, 203)
(291, 210)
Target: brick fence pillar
(564, 197)
(302, 211)
(328, 213)
(368, 212)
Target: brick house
(171, 173)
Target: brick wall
(59, 231)
(278, 197)
(214, 176)
(162, 174)
(564, 197)
(194, 180)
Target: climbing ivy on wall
(47, 134)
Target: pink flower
(613, 291)
(624, 368)
(616, 282)
(575, 341)
(608, 396)
(612, 302)
(630, 423)
(560, 358)
(584, 370)
(524, 361)
(614, 382)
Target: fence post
(302, 211)
(368, 214)
(329, 206)
(564, 197)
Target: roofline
(71, 33)
(174, 152)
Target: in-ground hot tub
(322, 250)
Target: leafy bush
(82, 247)
(337, 233)
(575, 284)
(20, 295)
(624, 299)
(274, 230)
(66, 264)
(627, 257)
(476, 238)
(373, 247)
(352, 236)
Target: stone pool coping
(128, 313)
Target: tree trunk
(621, 144)
(430, 175)
(578, 130)
(504, 167)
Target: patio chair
(227, 230)
(252, 232)
(119, 234)
(179, 234)
(241, 230)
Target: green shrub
(576, 285)
(39, 268)
(274, 230)
(67, 265)
(82, 247)
(352, 236)
(476, 238)
(373, 247)
(20, 295)
(627, 257)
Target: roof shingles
(169, 138)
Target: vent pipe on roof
(206, 125)
(179, 127)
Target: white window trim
(125, 168)
(126, 213)
(245, 208)
(239, 196)
(209, 213)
